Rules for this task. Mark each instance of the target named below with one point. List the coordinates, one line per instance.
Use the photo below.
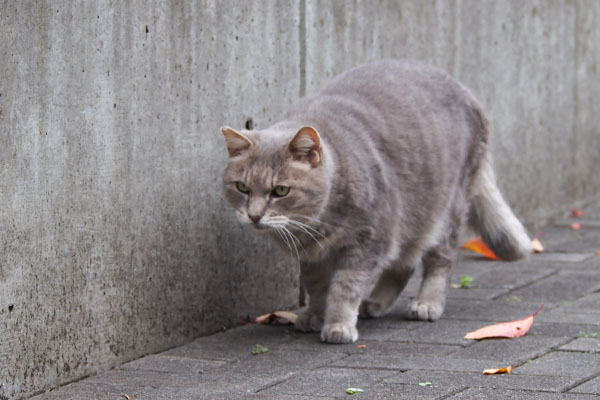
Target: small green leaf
(589, 335)
(353, 390)
(513, 299)
(465, 281)
(425, 384)
(258, 349)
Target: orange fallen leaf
(575, 226)
(577, 213)
(478, 246)
(495, 371)
(510, 329)
(536, 245)
(598, 253)
(276, 317)
(361, 346)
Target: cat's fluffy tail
(492, 217)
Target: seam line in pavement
(581, 382)
(533, 282)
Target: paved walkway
(559, 357)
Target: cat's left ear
(236, 142)
(306, 146)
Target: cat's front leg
(315, 279)
(346, 290)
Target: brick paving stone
(484, 394)
(391, 391)
(498, 310)
(477, 379)
(584, 344)
(268, 368)
(403, 363)
(541, 328)
(176, 365)
(510, 351)
(375, 347)
(86, 391)
(589, 387)
(586, 309)
(561, 287)
(235, 344)
(330, 382)
(444, 331)
(129, 381)
(562, 363)
(564, 260)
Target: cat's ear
(306, 146)
(236, 142)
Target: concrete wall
(114, 238)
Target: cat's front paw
(426, 311)
(339, 333)
(309, 322)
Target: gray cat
(368, 180)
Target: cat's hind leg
(431, 300)
(389, 286)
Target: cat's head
(277, 177)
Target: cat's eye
(241, 187)
(281, 191)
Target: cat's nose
(255, 218)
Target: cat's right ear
(306, 146)
(236, 142)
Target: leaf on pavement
(575, 226)
(510, 329)
(478, 246)
(577, 213)
(496, 371)
(259, 349)
(536, 245)
(277, 318)
(353, 390)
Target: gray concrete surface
(114, 238)
(559, 358)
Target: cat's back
(390, 92)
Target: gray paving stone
(562, 363)
(444, 331)
(585, 242)
(510, 351)
(176, 365)
(589, 387)
(404, 363)
(484, 394)
(86, 391)
(498, 310)
(589, 304)
(390, 391)
(561, 287)
(564, 260)
(127, 381)
(264, 370)
(583, 310)
(477, 293)
(376, 347)
(583, 344)
(565, 317)
(235, 344)
(477, 379)
(541, 328)
(330, 382)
